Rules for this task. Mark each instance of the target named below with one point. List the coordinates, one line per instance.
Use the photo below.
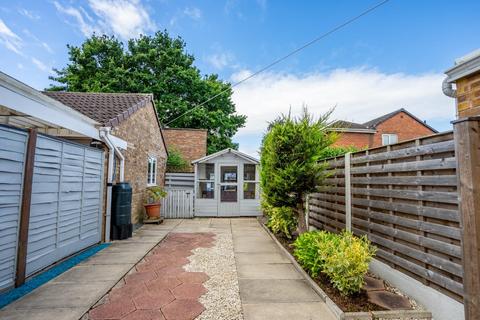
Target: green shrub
(336, 151)
(266, 207)
(343, 258)
(176, 162)
(282, 220)
(289, 162)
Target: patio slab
(297, 311)
(267, 271)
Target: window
(152, 171)
(228, 174)
(249, 181)
(206, 181)
(389, 138)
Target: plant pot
(153, 210)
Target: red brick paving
(159, 288)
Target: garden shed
(227, 185)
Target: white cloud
(220, 60)
(125, 18)
(29, 14)
(9, 39)
(41, 43)
(39, 64)
(86, 28)
(192, 12)
(359, 94)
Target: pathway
(203, 269)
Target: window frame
(255, 182)
(152, 167)
(389, 137)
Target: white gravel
(222, 300)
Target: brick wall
(468, 96)
(403, 125)
(357, 139)
(191, 143)
(144, 138)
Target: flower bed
(354, 306)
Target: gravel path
(222, 300)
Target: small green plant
(176, 162)
(282, 220)
(154, 194)
(343, 258)
(266, 207)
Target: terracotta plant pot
(153, 210)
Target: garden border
(337, 312)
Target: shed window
(389, 138)
(249, 181)
(206, 181)
(152, 171)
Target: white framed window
(389, 138)
(152, 171)
(250, 184)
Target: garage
(227, 185)
(51, 186)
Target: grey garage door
(65, 214)
(66, 202)
(12, 159)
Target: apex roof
(109, 109)
(372, 124)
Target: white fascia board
(463, 69)
(19, 102)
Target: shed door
(228, 191)
(65, 213)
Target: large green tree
(157, 64)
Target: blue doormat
(36, 281)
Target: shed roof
(222, 152)
(109, 109)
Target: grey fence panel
(178, 204)
(179, 180)
(12, 161)
(66, 201)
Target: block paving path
(159, 288)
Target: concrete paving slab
(115, 258)
(61, 295)
(129, 247)
(287, 311)
(255, 247)
(42, 314)
(268, 271)
(93, 273)
(276, 291)
(259, 257)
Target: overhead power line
(320, 37)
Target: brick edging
(332, 306)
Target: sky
(392, 58)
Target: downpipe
(112, 151)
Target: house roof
(222, 152)
(372, 124)
(109, 109)
(347, 126)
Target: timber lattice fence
(404, 198)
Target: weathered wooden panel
(12, 161)
(177, 204)
(66, 201)
(405, 199)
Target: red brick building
(390, 128)
(190, 143)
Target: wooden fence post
(348, 193)
(25, 208)
(467, 152)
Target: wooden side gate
(178, 203)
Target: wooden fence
(179, 180)
(404, 198)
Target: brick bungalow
(190, 143)
(133, 118)
(390, 128)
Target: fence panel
(179, 180)
(404, 198)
